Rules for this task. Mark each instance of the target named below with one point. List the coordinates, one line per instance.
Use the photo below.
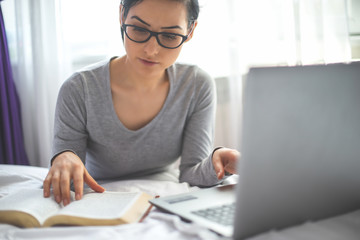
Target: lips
(147, 62)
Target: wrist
(215, 149)
(60, 153)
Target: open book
(28, 208)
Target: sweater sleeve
(70, 119)
(196, 166)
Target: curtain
(12, 150)
(39, 69)
(290, 32)
(278, 32)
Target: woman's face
(149, 58)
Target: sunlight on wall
(91, 30)
(91, 33)
(230, 34)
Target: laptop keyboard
(223, 214)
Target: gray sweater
(86, 123)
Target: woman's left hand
(225, 160)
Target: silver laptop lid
(188, 205)
(301, 146)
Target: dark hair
(192, 6)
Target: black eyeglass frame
(184, 38)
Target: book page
(106, 205)
(32, 202)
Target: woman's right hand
(68, 166)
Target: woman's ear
(192, 29)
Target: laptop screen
(300, 153)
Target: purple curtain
(12, 150)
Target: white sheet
(157, 225)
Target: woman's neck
(124, 75)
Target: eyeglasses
(164, 39)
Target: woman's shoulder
(183, 68)
(86, 77)
(191, 73)
(89, 73)
(95, 69)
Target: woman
(137, 114)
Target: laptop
(300, 154)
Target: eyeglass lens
(139, 34)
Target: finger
(46, 185)
(78, 179)
(65, 187)
(55, 182)
(219, 168)
(92, 183)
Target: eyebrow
(142, 21)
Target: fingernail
(46, 194)
(65, 202)
(58, 199)
(77, 196)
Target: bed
(157, 225)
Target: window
(354, 27)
